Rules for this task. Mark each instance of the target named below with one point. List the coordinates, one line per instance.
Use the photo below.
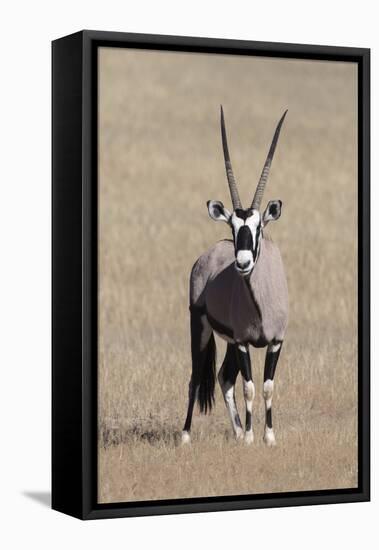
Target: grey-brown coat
(254, 309)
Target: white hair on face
(253, 220)
(237, 223)
(244, 256)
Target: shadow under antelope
(238, 289)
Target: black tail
(206, 393)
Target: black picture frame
(74, 273)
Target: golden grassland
(160, 160)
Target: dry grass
(160, 160)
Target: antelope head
(246, 224)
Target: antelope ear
(218, 212)
(272, 212)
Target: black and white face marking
(247, 228)
(247, 232)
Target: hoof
(249, 438)
(186, 438)
(269, 437)
(239, 434)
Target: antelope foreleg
(272, 356)
(227, 378)
(243, 359)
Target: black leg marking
(269, 418)
(248, 421)
(230, 367)
(227, 378)
(272, 356)
(244, 363)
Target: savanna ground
(160, 160)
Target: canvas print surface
(263, 323)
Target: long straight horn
(266, 169)
(228, 166)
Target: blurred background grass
(160, 160)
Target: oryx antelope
(238, 289)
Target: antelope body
(238, 289)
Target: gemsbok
(238, 289)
